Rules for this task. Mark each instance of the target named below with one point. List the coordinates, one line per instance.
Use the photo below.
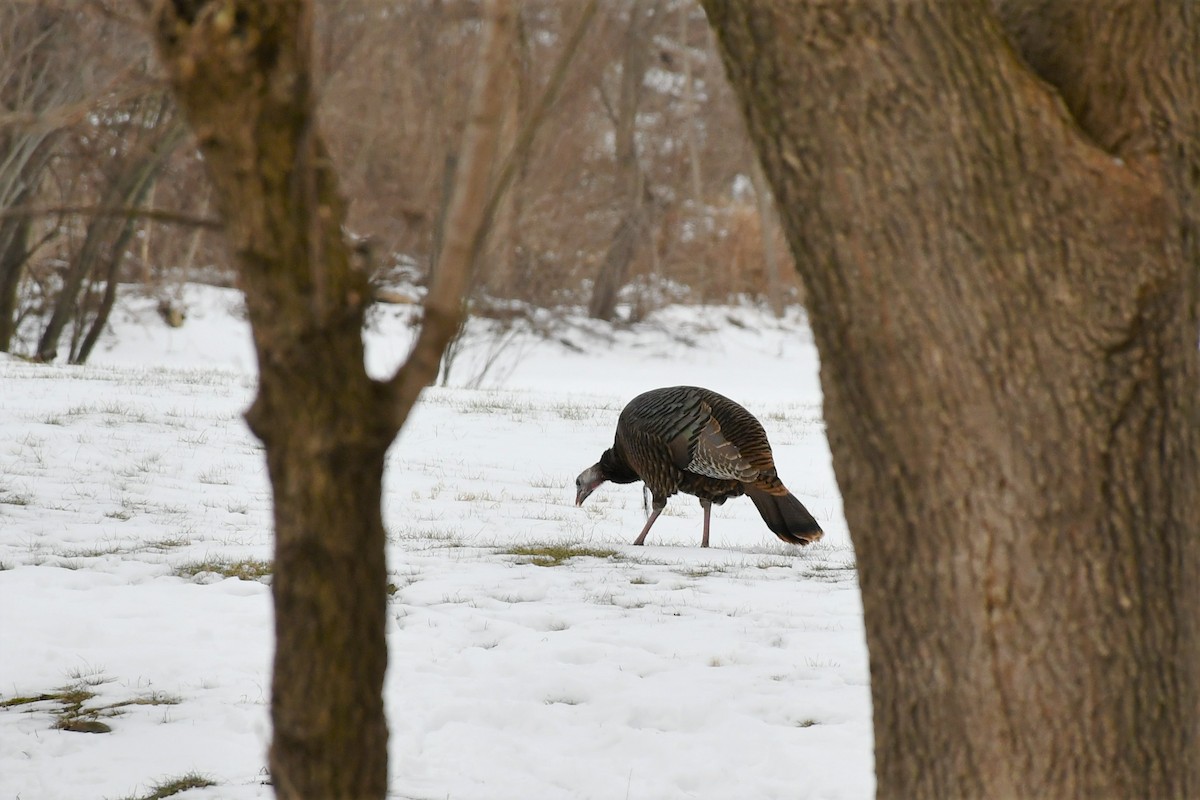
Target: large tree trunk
(242, 73)
(1003, 288)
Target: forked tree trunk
(326, 436)
(242, 74)
(242, 79)
(1005, 300)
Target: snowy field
(131, 491)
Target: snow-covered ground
(129, 486)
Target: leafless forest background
(639, 189)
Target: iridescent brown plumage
(693, 440)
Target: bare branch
(524, 142)
(152, 214)
(65, 116)
(466, 212)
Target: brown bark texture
(241, 74)
(994, 213)
(241, 71)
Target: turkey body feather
(693, 440)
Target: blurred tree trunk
(766, 231)
(106, 270)
(689, 105)
(503, 245)
(630, 180)
(1003, 284)
(14, 252)
(107, 234)
(242, 72)
(33, 80)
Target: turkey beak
(586, 483)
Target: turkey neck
(615, 466)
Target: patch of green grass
(74, 715)
(88, 677)
(428, 532)
(215, 476)
(704, 570)
(246, 569)
(95, 551)
(174, 786)
(23, 700)
(553, 555)
(119, 414)
(832, 572)
(548, 482)
(168, 543)
(575, 413)
(550, 514)
(73, 711)
(195, 438)
(475, 497)
(806, 723)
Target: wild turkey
(692, 440)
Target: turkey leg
(642, 536)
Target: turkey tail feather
(785, 516)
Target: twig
(153, 214)
(524, 141)
(466, 217)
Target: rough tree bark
(1002, 276)
(241, 71)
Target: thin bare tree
(242, 72)
(632, 193)
(37, 77)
